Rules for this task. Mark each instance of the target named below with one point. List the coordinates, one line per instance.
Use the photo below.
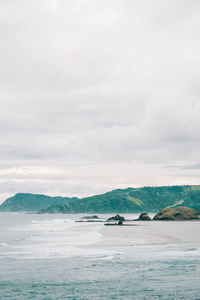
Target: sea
(45, 256)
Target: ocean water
(53, 257)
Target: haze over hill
(128, 200)
(32, 202)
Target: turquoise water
(51, 257)
(84, 279)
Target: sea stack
(116, 218)
(144, 217)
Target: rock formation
(89, 217)
(144, 217)
(116, 218)
(177, 214)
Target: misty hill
(32, 202)
(133, 200)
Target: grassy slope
(31, 202)
(150, 199)
(140, 199)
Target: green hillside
(32, 202)
(56, 209)
(135, 200)
(130, 200)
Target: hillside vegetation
(130, 200)
(32, 202)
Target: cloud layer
(98, 94)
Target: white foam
(59, 238)
(4, 245)
(50, 237)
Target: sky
(97, 95)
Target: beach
(53, 257)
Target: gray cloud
(105, 93)
(186, 167)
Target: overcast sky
(98, 94)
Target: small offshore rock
(116, 218)
(144, 217)
(89, 217)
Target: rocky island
(144, 217)
(180, 213)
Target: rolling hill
(130, 200)
(32, 202)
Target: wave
(4, 245)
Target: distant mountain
(32, 202)
(136, 200)
(139, 199)
(130, 200)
